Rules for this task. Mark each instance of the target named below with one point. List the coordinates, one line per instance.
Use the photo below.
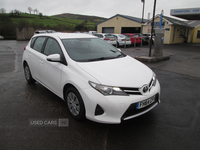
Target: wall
(167, 27)
(171, 32)
(117, 22)
(195, 40)
(178, 38)
(190, 36)
(24, 33)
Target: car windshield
(90, 49)
(128, 35)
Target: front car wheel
(75, 103)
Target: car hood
(121, 72)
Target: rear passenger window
(39, 43)
(32, 41)
(52, 47)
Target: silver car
(122, 40)
(109, 38)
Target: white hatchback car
(96, 80)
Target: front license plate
(145, 103)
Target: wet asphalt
(174, 124)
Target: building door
(130, 30)
(108, 30)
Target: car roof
(68, 35)
(129, 33)
(41, 31)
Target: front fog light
(107, 90)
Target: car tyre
(75, 104)
(28, 75)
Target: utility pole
(152, 27)
(143, 1)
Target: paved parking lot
(173, 124)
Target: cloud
(102, 8)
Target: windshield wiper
(113, 51)
(104, 58)
(96, 59)
(120, 55)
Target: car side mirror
(54, 58)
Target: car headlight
(154, 79)
(107, 90)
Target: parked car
(95, 79)
(146, 38)
(109, 38)
(40, 32)
(50, 31)
(134, 38)
(92, 32)
(1, 37)
(122, 40)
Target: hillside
(94, 19)
(57, 22)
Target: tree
(2, 10)
(23, 23)
(30, 9)
(17, 12)
(35, 11)
(7, 28)
(85, 22)
(40, 14)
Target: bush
(7, 28)
(23, 23)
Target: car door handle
(29, 54)
(41, 62)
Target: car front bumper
(116, 108)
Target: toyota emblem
(145, 88)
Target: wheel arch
(67, 86)
(24, 63)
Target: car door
(34, 55)
(50, 72)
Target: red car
(134, 38)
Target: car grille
(136, 91)
(131, 91)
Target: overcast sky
(101, 8)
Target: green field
(51, 22)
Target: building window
(198, 34)
(182, 32)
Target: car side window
(39, 43)
(32, 41)
(52, 47)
